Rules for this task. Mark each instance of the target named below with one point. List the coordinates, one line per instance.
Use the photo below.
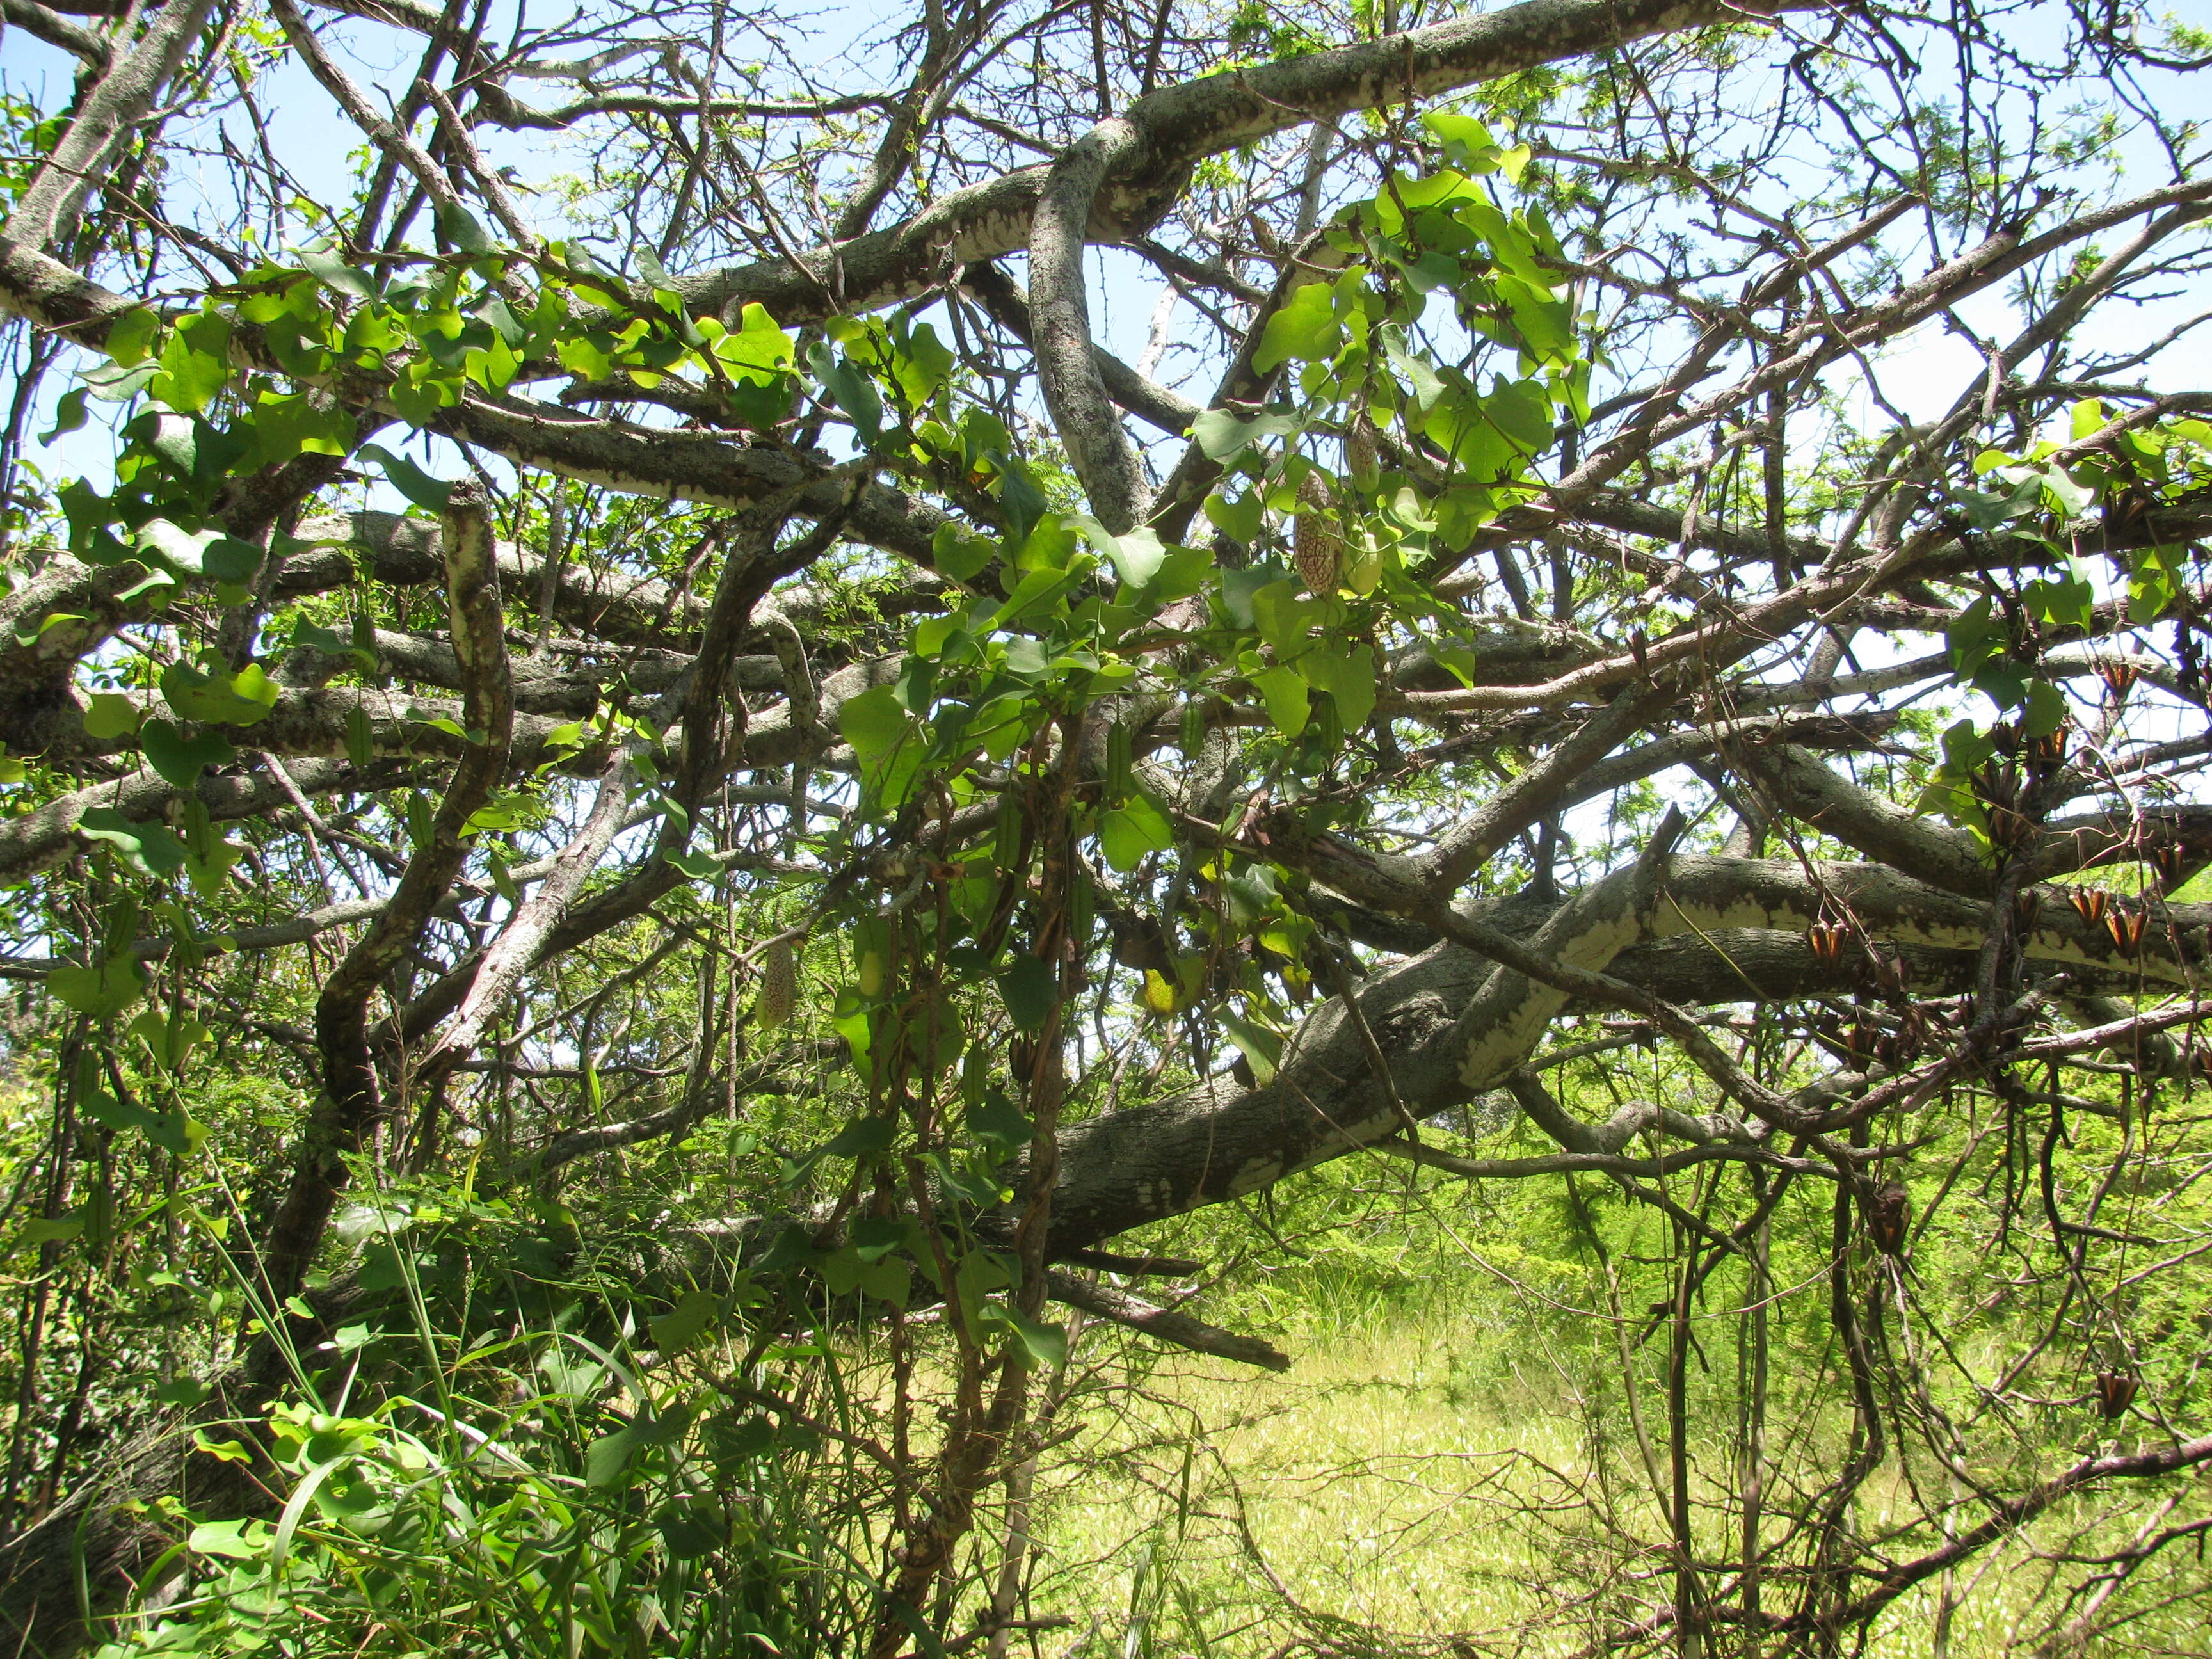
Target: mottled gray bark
(1704, 931)
(1180, 125)
(349, 1103)
(1089, 424)
(104, 123)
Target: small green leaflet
(410, 480)
(1261, 1048)
(130, 337)
(607, 1459)
(1137, 556)
(872, 723)
(1240, 519)
(178, 759)
(459, 226)
(757, 345)
(112, 715)
(1284, 691)
(1221, 433)
(1347, 676)
(195, 363)
(101, 991)
(148, 849)
(852, 391)
(862, 1136)
(173, 1132)
(690, 1530)
(234, 1541)
(57, 1229)
(197, 553)
(335, 274)
(1132, 830)
(239, 699)
(695, 1314)
(68, 413)
(996, 1116)
(1047, 1345)
(960, 553)
(1306, 327)
(1026, 987)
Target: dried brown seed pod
(779, 992)
(2010, 828)
(2119, 675)
(1316, 540)
(1997, 786)
(2027, 906)
(2126, 923)
(2091, 902)
(1826, 939)
(2047, 753)
(1888, 973)
(2115, 1392)
(2168, 859)
(1889, 1217)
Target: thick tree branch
(1067, 365)
(349, 1103)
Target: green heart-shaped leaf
(179, 759)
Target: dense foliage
(675, 911)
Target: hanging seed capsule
(2047, 753)
(779, 992)
(1316, 542)
(1363, 452)
(1082, 913)
(360, 740)
(1008, 846)
(2126, 925)
(1118, 756)
(873, 970)
(1826, 939)
(2115, 1392)
(2168, 859)
(2119, 675)
(1889, 1217)
(2090, 901)
(1191, 739)
(2010, 828)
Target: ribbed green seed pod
(1118, 761)
(1007, 846)
(1192, 738)
(360, 743)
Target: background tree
(939, 798)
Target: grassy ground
(1418, 1474)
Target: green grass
(1419, 1476)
